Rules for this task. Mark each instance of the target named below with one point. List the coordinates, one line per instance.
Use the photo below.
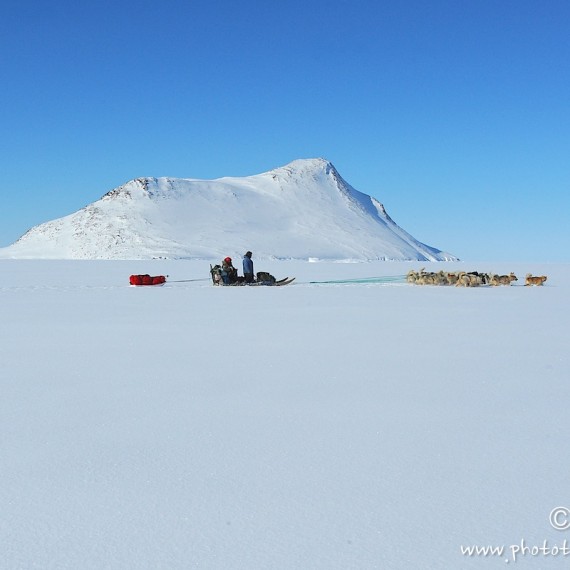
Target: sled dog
(537, 280)
(503, 279)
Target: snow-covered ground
(348, 426)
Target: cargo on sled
(262, 278)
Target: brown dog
(530, 280)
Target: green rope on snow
(385, 279)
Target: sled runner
(285, 281)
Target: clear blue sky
(455, 115)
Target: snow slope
(300, 211)
(322, 427)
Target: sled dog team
(468, 279)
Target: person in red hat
(229, 272)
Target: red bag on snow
(147, 279)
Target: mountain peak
(318, 164)
(312, 166)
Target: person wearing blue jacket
(248, 267)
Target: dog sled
(263, 278)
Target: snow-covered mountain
(300, 211)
